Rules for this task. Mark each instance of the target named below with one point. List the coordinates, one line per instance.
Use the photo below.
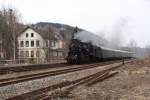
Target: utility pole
(49, 30)
(0, 49)
(14, 37)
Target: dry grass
(132, 83)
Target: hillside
(66, 32)
(62, 29)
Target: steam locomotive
(82, 52)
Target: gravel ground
(26, 64)
(132, 83)
(17, 74)
(24, 87)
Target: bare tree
(68, 35)
(8, 30)
(47, 42)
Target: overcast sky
(130, 19)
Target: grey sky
(104, 17)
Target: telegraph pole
(49, 30)
(0, 43)
(14, 37)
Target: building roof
(43, 32)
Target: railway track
(87, 81)
(22, 78)
(43, 94)
(23, 68)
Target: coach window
(32, 34)
(32, 43)
(22, 43)
(27, 43)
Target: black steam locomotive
(82, 52)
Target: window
(60, 54)
(0, 41)
(37, 43)
(0, 55)
(55, 53)
(27, 35)
(32, 53)
(27, 43)
(21, 53)
(47, 43)
(32, 43)
(52, 43)
(32, 34)
(27, 53)
(22, 43)
(37, 53)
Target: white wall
(36, 37)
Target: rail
(42, 94)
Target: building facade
(32, 46)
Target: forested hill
(64, 30)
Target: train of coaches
(81, 52)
